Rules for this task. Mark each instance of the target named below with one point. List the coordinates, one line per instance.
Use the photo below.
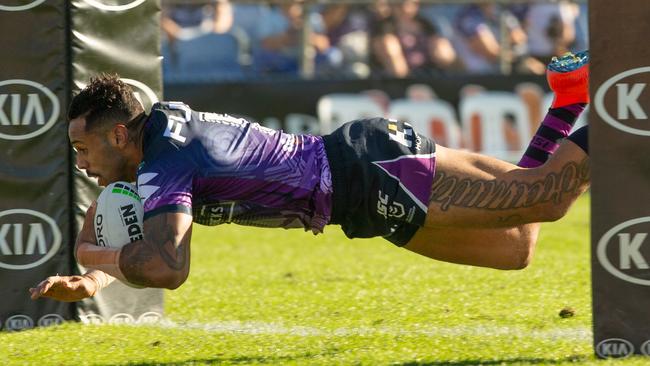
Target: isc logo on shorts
(402, 133)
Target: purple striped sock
(556, 125)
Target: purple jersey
(223, 169)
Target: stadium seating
(486, 120)
(207, 57)
(433, 118)
(336, 109)
(299, 123)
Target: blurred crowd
(233, 40)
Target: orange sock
(569, 87)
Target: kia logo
(122, 318)
(645, 348)
(628, 107)
(27, 109)
(614, 348)
(50, 319)
(19, 322)
(27, 239)
(620, 251)
(150, 317)
(92, 318)
(25, 6)
(112, 6)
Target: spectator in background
(346, 26)
(480, 40)
(187, 21)
(405, 43)
(178, 22)
(178, 19)
(223, 16)
(551, 28)
(281, 39)
(213, 50)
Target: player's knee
(524, 258)
(554, 212)
(523, 248)
(521, 258)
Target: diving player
(374, 177)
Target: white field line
(262, 328)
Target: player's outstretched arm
(71, 288)
(161, 259)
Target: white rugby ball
(119, 215)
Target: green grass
(259, 296)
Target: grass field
(286, 297)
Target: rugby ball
(119, 215)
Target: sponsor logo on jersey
(228, 120)
(215, 214)
(27, 109)
(28, 239)
(174, 129)
(403, 133)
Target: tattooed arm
(472, 190)
(162, 259)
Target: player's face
(96, 154)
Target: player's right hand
(65, 288)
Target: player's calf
(505, 248)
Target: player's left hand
(64, 288)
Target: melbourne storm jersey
(223, 169)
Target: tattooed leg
(476, 191)
(486, 212)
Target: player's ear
(119, 135)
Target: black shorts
(382, 172)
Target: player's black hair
(105, 101)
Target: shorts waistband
(337, 170)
